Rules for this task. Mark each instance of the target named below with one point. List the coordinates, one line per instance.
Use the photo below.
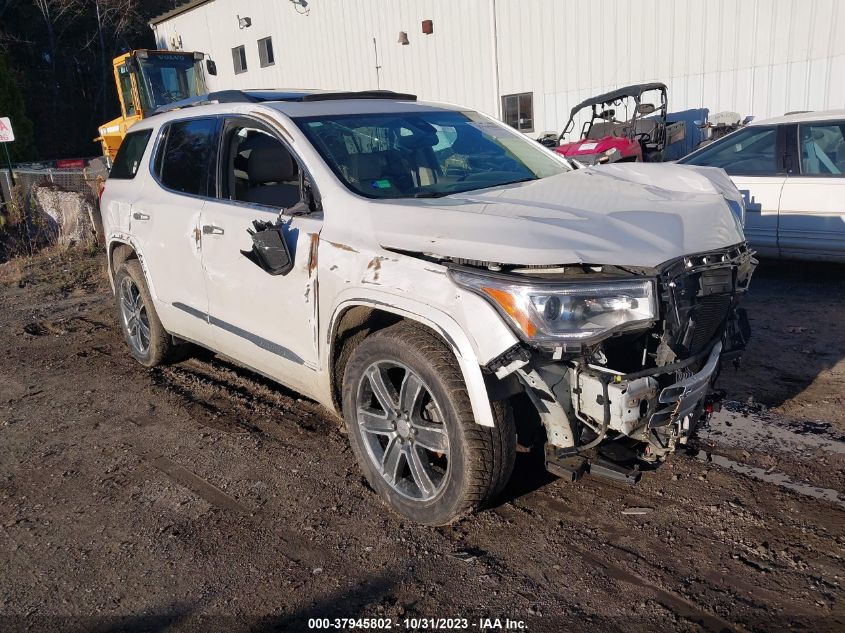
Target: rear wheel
(411, 426)
(143, 332)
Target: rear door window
(128, 159)
(822, 148)
(186, 156)
(751, 151)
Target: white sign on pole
(6, 133)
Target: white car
(791, 170)
(425, 270)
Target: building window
(265, 52)
(518, 111)
(239, 59)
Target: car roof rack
(264, 95)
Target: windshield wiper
(431, 194)
(440, 194)
(513, 182)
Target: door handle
(210, 229)
(140, 216)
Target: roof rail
(361, 94)
(262, 95)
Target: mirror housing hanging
(269, 249)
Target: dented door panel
(268, 322)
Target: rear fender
(117, 239)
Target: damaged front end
(619, 355)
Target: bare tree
(8, 38)
(116, 17)
(57, 16)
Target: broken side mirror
(211, 67)
(269, 249)
(310, 197)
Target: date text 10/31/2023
(417, 624)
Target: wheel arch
(122, 248)
(354, 320)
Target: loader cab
(150, 79)
(164, 77)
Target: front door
(754, 158)
(812, 205)
(165, 220)
(267, 322)
(762, 200)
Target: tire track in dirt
(677, 604)
(573, 515)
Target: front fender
(445, 326)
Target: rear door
(812, 206)
(754, 158)
(165, 221)
(268, 322)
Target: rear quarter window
(185, 156)
(128, 159)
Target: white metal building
(758, 57)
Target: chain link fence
(46, 203)
(83, 180)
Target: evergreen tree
(12, 106)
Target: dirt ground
(200, 497)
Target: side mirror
(211, 67)
(645, 108)
(269, 249)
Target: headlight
(577, 312)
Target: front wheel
(411, 426)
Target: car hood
(632, 214)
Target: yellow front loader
(147, 80)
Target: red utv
(624, 126)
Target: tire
(461, 464)
(158, 346)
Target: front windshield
(425, 154)
(169, 77)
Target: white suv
(427, 271)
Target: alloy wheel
(403, 430)
(135, 320)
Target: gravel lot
(200, 497)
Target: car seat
(271, 171)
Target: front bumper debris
(636, 397)
(684, 400)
